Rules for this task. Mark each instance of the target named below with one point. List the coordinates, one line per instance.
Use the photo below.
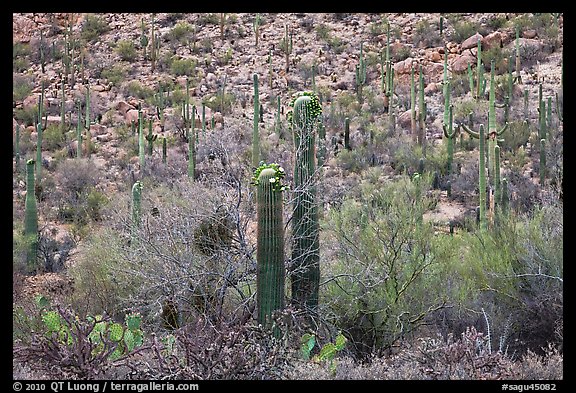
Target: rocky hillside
(146, 64)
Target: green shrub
(53, 138)
(426, 35)
(180, 32)
(115, 74)
(138, 90)
(26, 115)
(180, 67)
(126, 50)
(381, 260)
(93, 28)
(464, 29)
(21, 87)
(20, 57)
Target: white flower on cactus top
(272, 179)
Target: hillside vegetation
(288, 196)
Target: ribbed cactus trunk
(413, 105)
(79, 133)
(542, 161)
(39, 151)
(449, 134)
(31, 219)
(192, 147)
(141, 148)
(255, 132)
(270, 249)
(305, 251)
(347, 134)
(164, 150)
(482, 178)
(17, 147)
(136, 210)
(421, 114)
(497, 184)
(87, 126)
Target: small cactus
(347, 134)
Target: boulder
(460, 64)
(471, 41)
(492, 40)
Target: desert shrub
(180, 32)
(180, 67)
(201, 350)
(138, 90)
(464, 29)
(115, 74)
(509, 280)
(126, 50)
(150, 268)
(53, 138)
(381, 253)
(20, 57)
(75, 195)
(21, 87)
(93, 27)
(426, 35)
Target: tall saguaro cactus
(421, 113)
(493, 131)
(31, 218)
(305, 271)
(17, 147)
(270, 279)
(136, 210)
(450, 135)
(141, 149)
(482, 178)
(255, 132)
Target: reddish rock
(529, 33)
(22, 28)
(460, 64)
(403, 67)
(492, 40)
(471, 42)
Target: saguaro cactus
(497, 183)
(493, 132)
(39, 151)
(150, 138)
(164, 150)
(421, 113)
(141, 150)
(542, 161)
(31, 218)
(192, 147)
(270, 279)
(286, 46)
(360, 74)
(450, 136)
(482, 178)
(347, 134)
(136, 209)
(413, 105)
(305, 272)
(79, 132)
(255, 132)
(17, 147)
